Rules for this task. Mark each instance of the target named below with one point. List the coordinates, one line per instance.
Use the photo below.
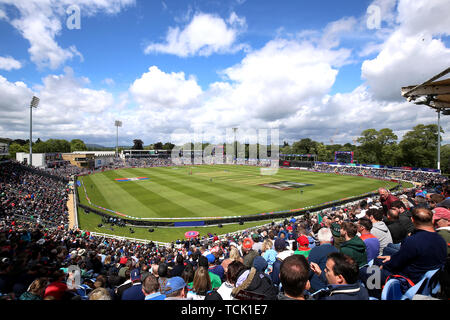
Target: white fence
(110, 236)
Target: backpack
(258, 287)
(405, 283)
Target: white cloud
(3, 15)
(62, 95)
(267, 88)
(159, 90)
(40, 22)
(284, 84)
(9, 63)
(334, 30)
(273, 82)
(341, 118)
(14, 107)
(204, 35)
(66, 107)
(413, 51)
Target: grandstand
(46, 187)
(298, 160)
(4, 147)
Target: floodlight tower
(118, 124)
(34, 104)
(235, 143)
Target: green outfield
(209, 191)
(216, 191)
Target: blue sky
(105, 41)
(228, 64)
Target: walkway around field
(72, 213)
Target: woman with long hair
(201, 285)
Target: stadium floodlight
(434, 94)
(33, 104)
(235, 143)
(118, 124)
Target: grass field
(215, 191)
(210, 191)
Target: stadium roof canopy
(432, 93)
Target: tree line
(49, 146)
(417, 148)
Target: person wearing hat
(176, 289)
(214, 268)
(58, 287)
(441, 222)
(282, 253)
(248, 253)
(335, 228)
(135, 291)
(303, 246)
(257, 242)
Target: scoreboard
(343, 156)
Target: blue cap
(135, 275)
(211, 258)
(420, 194)
(173, 284)
(280, 244)
(260, 263)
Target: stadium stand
(42, 258)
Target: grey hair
(324, 235)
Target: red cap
(303, 241)
(441, 213)
(247, 243)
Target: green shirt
(215, 281)
(304, 253)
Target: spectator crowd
(323, 255)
